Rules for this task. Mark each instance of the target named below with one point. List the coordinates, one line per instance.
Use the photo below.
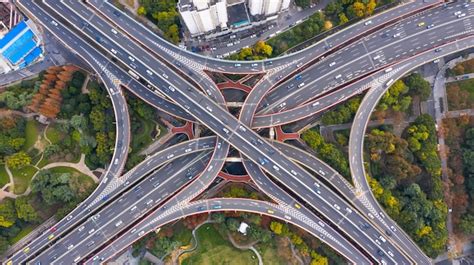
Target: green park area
(213, 249)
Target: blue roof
(12, 34)
(21, 47)
(32, 55)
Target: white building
(201, 16)
(267, 7)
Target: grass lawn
(31, 132)
(22, 178)
(25, 231)
(273, 253)
(53, 134)
(213, 249)
(4, 179)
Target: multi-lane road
(365, 55)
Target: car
(436, 61)
(421, 24)
(141, 233)
(388, 69)
(299, 65)
(298, 77)
(156, 184)
(317, 185)
(370, 215)
(380, 252)
(262, 161)
(438, 49)
(131, 58)
(338, 76)
(117, 13)
(114, 31)
(54, 23)
(287, 217)
(51, 236)
(225, 130)
(91, 231)
(242, 128)
(457, 13)
(80, 228)
(26, 250)
(189, 175)
(390, 253)
(297, 206)
(149, 72)
(169, 156)
(69, 218)
(332, 64)
(388, 232)
(293, 172)
(461, 15)
(430, 26)
(321, 224)
(113, 51)
(230, 44)
(219, 144)
(209, 108)
(53, 229)
(270, 211)
(337, 207)
(254, 64)
(348, 210)
(382, 239)
(276, 168)
(393, 228)
(70, 247)
(282, 105)
(237, 65)
(397, 35)
(301, 85)
(216, 206)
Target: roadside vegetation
(164, 14)
(272, 239)
(405, 176)
(460, 94)
(459, 133)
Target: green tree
(24, 210)
(418, 86)
(232, 224)
(343, 19)
(466, 224)
(276, 227)
(7, 213)
(141, 11)
(218, 217)
(18, 160)
(3, 244)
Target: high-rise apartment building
(201, 16)
(267, 7)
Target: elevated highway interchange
(191, 101)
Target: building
(19, 47)
(243, 228)
(202, 16)
(267, 7)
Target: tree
(3, 244)
(141, 11)
(232, 224)
(466, 224)
(24, 210)
(276, 227)
(218, 217)
(18, 160)
(318, 259)
(303, 3)
(343, 19)
(7, 213)
(359, 9)
(418, 86)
